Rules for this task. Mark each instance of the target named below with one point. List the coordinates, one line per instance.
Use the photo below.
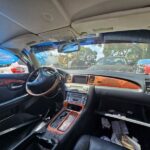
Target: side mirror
(69, 47)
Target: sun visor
(21, 42)
(135, 36)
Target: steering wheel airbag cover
(44, 82)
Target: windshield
(119, 57)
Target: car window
(100, 61)
(11, 64)
(117, 57)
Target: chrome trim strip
(17, 99)
(125, 119)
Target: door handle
(16, 86)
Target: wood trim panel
(55, 130)
(71, 112)
(114, 82)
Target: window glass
(11, 64)
(118, 57)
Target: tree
(81, 59)
(147, 54)
(131, 51)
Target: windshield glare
(119, 57)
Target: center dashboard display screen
(80, 79)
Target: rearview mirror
(69, 47)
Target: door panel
(12, 86)
(14, 100)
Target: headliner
(26, 22)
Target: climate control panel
(77, 98)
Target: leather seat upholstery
(87, 142)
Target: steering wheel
(42, 81)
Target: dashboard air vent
(69, 78)
(91, 79)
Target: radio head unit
(80, 79)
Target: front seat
(87, 142)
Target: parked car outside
(143, 66)
(113, 64)
(10, 63)
(14, 68)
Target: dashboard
(116, 97)
(104, 81)
(109, 96)
(128, 87)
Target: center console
(76, 99)
(64, 123)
